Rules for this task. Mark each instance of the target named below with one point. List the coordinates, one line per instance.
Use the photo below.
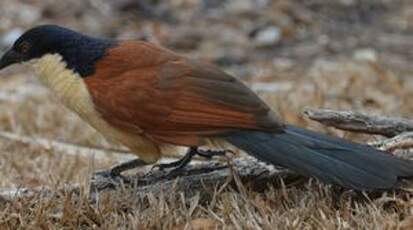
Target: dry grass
(349, 85)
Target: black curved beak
(11, 57)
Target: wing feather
(171, 99)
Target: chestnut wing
(178, 101)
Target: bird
(153, 100)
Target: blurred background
(342, 54)
(338, 54)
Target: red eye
(24, 47)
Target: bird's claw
(209, 154)
(162, 167)
(107, 179)
(157, 166)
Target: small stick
(359, 122)
(402, 141)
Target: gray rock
(267, 36)
(365, 55)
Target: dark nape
(79, 51)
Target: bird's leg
(127, 165)
(181, 163)
(185, 160)
(211, 153)
(114, 173)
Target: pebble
(365, 55)
(268, 36)
(240, 6)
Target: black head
(80, 52)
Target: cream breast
(70, 88)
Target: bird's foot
(108, 179)
(212, 153)
(179, 164)
(113, 177)
(184, 161)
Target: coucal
(153, 100)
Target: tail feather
(332, 160)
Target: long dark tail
(330, 159)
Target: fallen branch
(359, 122)
(193, 178)
(197, 176)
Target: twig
(402, 141)
(9, 194)
(100, 153)
(67, 148)
(272, 87)
(359, 122)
